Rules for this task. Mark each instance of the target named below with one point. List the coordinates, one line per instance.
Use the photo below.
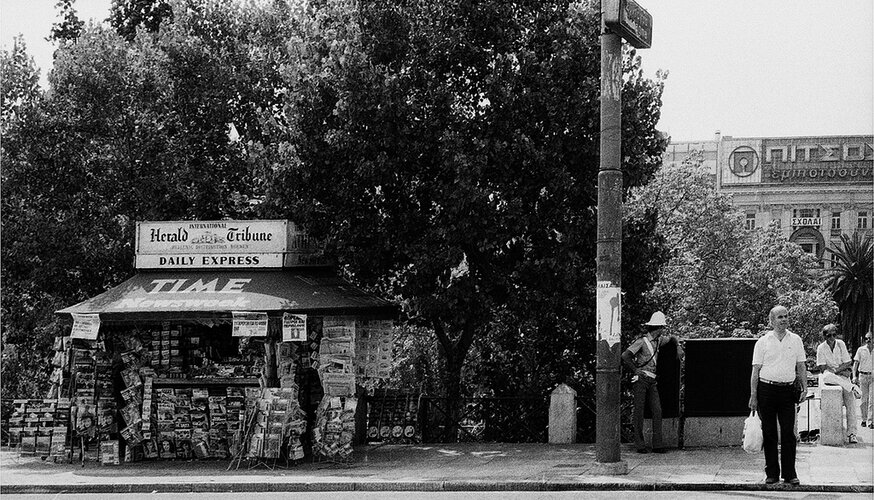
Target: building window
(806, 217)
(836, 220)
(751, 221)
(862, 221)
(833, 260)
(805, 212)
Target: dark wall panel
(717, 377)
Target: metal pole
(609, 250)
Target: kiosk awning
(192, 294)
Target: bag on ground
(753, 434)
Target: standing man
(833, 361)
(641, 358)
(778, 370)
(862, 368)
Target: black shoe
(771, 480)
(659, 450)
(794, 481)
(642, 450)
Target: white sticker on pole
(249, 324)
(85, 326)
(608, 304)
(294, 327)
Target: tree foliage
(450, 150)
(20, 92)
(721, 279)
(126, 16)
(70, 27)
(22, 347)
(130, 130)
(851, 283)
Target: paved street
(461, 467)
(468, 495)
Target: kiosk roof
(192, 294)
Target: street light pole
(619, 19)
(609, 252)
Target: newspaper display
(336, 354)
(249, 324)
(373, 348)
(294, 327)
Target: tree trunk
(453, 395)
(454, 352)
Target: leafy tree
(720, 279)
(128, 15)
(851, 283)
(129, 131)
(449, 150)
(70, 26)
(21, 347)
(20, 91)
(700, 230)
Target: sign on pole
(609, 323)
(630, 21)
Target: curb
(432, 486)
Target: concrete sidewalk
(457, 467)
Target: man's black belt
(864, 373)
(778, 384)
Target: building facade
(814, 188)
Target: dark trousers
(777, 404)
(646, 390)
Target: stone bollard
(831, 404)
(562, 415)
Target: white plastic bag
(753, 434)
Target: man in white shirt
(863, 366)
(778, 374)
(833, 361)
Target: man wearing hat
(641, 358)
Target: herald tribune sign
(224, 244)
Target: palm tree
(851, 282)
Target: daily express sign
(221, 244)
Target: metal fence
(586, 417)
(522, 419)
(6, 407)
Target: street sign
(629, 20)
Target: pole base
(619, 468)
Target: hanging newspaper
(294, 327)
(249, 324)
(85, 326)
(373, 348)
(336, 354)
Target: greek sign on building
(224, 244)
(797, 160)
